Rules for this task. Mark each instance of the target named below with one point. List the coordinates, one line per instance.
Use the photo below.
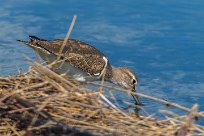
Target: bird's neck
(115, 74)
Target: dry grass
(40, 102)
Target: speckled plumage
(77, 53)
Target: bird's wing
(93, 64)
(87, 58)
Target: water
(162, 41)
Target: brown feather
(79, 54)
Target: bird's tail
(32, 42)
(34, 38)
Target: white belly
(71, 71)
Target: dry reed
(41, 102)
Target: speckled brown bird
(82, 62)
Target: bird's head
(125, 78)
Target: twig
(68, 34)
(146, 96)
(13, 129)
(64, 43)
(191, 117)
(23, 89)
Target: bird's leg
(136, 98)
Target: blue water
(162, 41)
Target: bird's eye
(61, 57)
(133, 81)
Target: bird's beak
(136, 98)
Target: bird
(82, 62)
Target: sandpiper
(82, 62)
